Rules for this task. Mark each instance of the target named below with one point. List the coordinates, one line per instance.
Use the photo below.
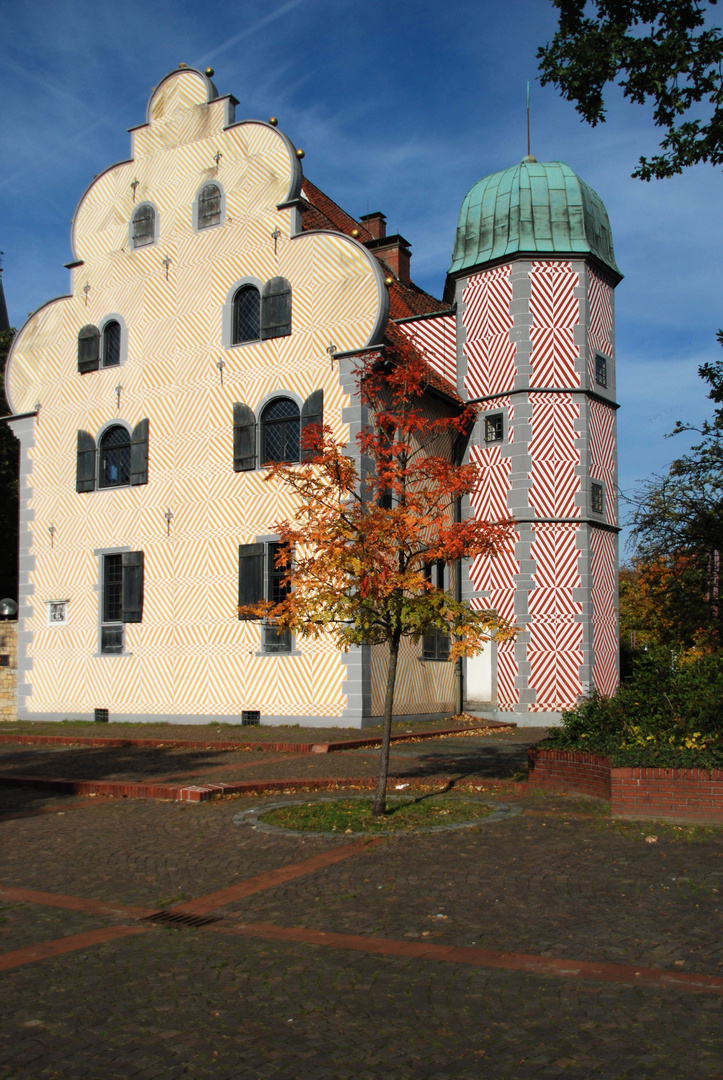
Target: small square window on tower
(494, 428)
(601, 370)
(597, 498)
(57, 613)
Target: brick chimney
(375, 223)
(394, 251)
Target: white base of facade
(489, 711)
(204, 719)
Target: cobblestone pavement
(210, 732)
(499, 756)
(559, 881)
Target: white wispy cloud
(260, 24)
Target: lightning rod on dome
(529, 155)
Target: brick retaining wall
(9, 671)
(685, 795)
(588, 774)
(669, 794)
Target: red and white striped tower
(533, 274)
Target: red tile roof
(318, 211)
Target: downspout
(458, 665)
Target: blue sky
(400, 105)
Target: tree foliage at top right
(656, 50)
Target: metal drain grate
(180, 920)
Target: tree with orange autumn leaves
(370, 524)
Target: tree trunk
(380, 798)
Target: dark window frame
(111, 624)
(436, 643)
(601, 370)
(141, 239)
(114, 456)
(285, 429)
(260, 579)
(111, 343)
(202, 213)
(597, 497)
(121, 601)
(494, 428)
(89, 344)
(274, 641)
(276, 309)
(245, 322)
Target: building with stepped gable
(218, 303)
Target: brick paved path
(482, 757)
(559, 883)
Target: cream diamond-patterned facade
(524, 334)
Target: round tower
(533, 274)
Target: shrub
(669, 713)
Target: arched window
(246, 315)
(144, 225)
(115, 458)
(111, 344)
(88, 349)
(209, 206)
(280, 429)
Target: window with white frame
(57, 612)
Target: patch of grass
(355, 815)
(663, 830)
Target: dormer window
(209, 206)
(143, 226)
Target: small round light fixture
(355, 233)
(300, 153)
(8, 608)
(273, 121)
(210, 72)
(388, 281)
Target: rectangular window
(597, 498)
(261, 579)
(57, 613)
(435, 644)
(122, 597)
(601, 370)
(276, 589)
(111, 631)
(494, 428)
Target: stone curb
(252, 819)
(124, 789)
(232, 744)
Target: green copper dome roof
(533, 207)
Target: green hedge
(669, 714)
